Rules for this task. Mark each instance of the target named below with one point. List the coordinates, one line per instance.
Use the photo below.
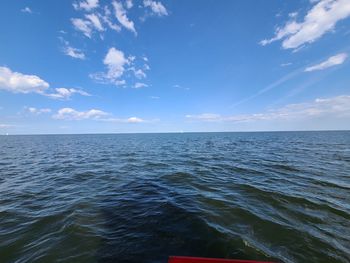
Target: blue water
(282, 196)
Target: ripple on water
(141, 198)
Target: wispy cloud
(37, 111)
(320, 19)
(177, 86)
(87, 5)
(330, 62)
(95, 21)
(135, 120)
(27, 10)
(72, 114)
(71, 51)
(139, 85)
(120, 14)
(107, 18)
(271, 86)
(92, 114)
(156, 8)
(140, 74)
(286, 64)
(90, 24)
(6, 126)
(82, 25)
(335, 107)
(66, 93)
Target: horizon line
(173, 132)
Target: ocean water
(279, 196)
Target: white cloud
(286, 64)
(115, 61)
(135, 120)
(205, 117)
(106, 18)
(154, 97)
(120, 14)
(93, 114)
(71, 51)
(72, 114)
(129, 4)
(83, 26)
(330, 62)
(140, 74)
(293, 14)
(87, 5)
(180, 87)
(336, 107)
(321, 19)
(139, 85)
(37, 111)
(20, 83)
(157, 8)
(95, 21)
(26, 10)
(66, 93)
(5, 126)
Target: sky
(113, 66)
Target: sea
(269, 196)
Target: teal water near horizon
(280, 196)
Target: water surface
(282, 196)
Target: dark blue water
(139, 198)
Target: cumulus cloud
(157, 8)
(66, 93)
(116, 62)
(334, 107)
(72, 114)
(87, 5)
(21, 83)
(26, 10)
(120, 14)
(320, 19)
(330, 62)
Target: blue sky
(96, 66)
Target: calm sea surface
(281, 196)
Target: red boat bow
(174, 259)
